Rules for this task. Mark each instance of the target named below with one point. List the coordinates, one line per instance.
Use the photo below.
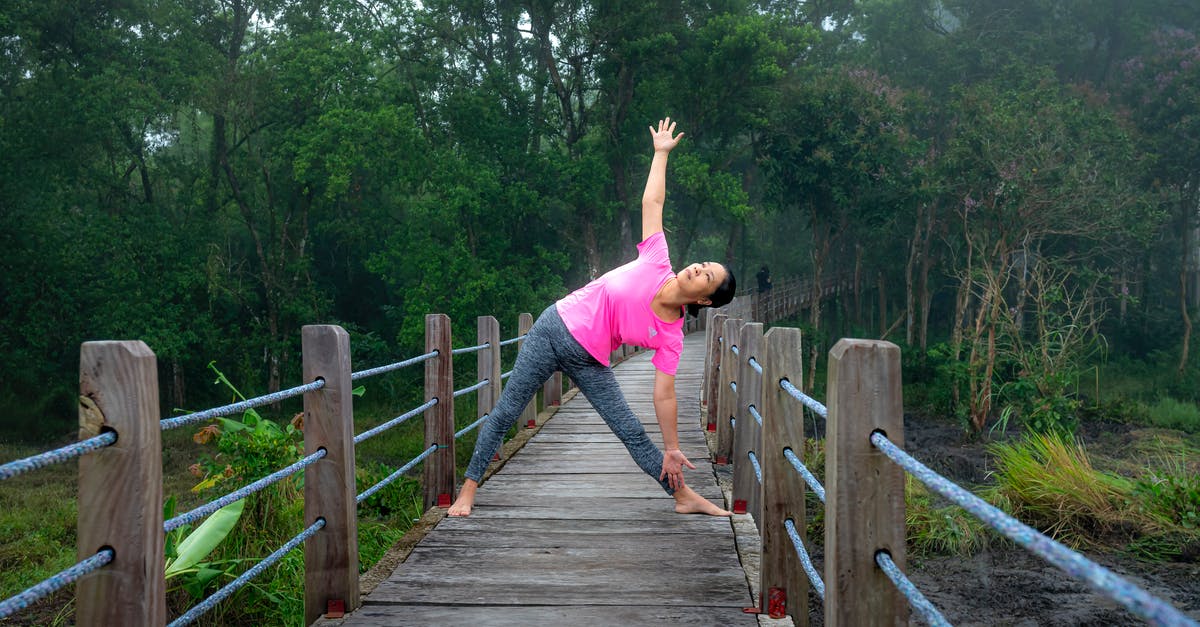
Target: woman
(640, 303)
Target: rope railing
(754, 364)
(809, 478)
(267, 562)
(233, 408)
(514, 340)
(808, 401)
(506, 375)
(57, 456)
(362, 374)
(757, 466)
(241, 493)
(366, 494)
(470, 349)
(370, 433)
(468, 390)
(916, 600)
(805, 559)
(54, 583)
(467, 429)
(1099, 578)
(754, 412)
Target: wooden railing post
(726, 398)
(864, 490)
(712, 366)
(529, 414)
(439, 419)
(781, 578)
(331, 555)
(552, 390)
(487, 363)
(747, 435)
(120, 487)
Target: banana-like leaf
(205, 538)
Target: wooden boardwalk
(571, 532)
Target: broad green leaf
(206, 537)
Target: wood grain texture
(570, 531)
(529, 415)
(747, 434)
(864, 490)
(726, 397)
(712, 368)
(120, 487)
(331, 556)
(783, 487)
(439, 419)
(487, 366)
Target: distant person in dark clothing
(764, 279)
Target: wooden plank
(864, 490)
(535, 532)
(704, 575)
(573, 615)
(747, 436)
(120, 486)
(439, 419)
(783, 487)
(331, 556)
(487, 366)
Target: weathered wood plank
(574, 615)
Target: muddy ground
(1007, 585)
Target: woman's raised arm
(656, 183)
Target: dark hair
(720, 297)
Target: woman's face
(700, 280)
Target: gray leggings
(550, 347)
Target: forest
(1009, 189)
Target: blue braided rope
(757, 416)
(754, 462)
(720, 339)
(370, 433)
(395, 475)
(470, 349)
(49, 586)
(461, 432)
(734, 349)
(809, 478)
(808, 401)
(1102, 580)
(757, 366)
(225, 410)
(805, 560)
(458, 393)
(241, 493)
(514, 340)
(506, 375)
(362, 374)
(245, 577)
(928, 612)
(57, 456)
(733, 386)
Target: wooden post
(748, 436)
(712, 367)
(726, 402)
(439, 419)
(529, 415)
(864, 490)
(487, 363)
(331, 555)
(552, 390)
(120, 487)
(781, 576)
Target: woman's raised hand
(663, 142)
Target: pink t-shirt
(615, 309)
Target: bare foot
(466, 499)
(687, 501)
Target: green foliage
(934, 529)
(1172, 414)
(185, 551)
